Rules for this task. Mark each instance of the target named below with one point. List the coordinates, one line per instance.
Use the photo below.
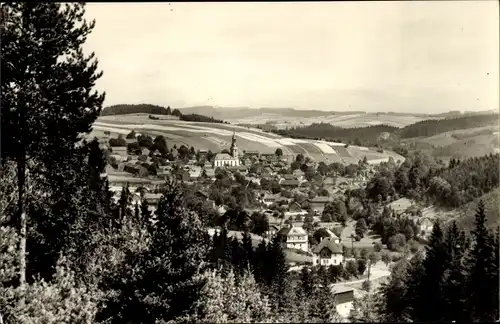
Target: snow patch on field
(299, 141)
(378, 161)
(325, 148)
(285, 141)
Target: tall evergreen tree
(146, 215)
(431, 289)
(162, 283)
(306, 282)
(247, 249)
(123, 204)
(260, 262)
(482, 289)
(47, 99)
(455, 275)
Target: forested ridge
(124, 109)
(374, 135)
(433, 127)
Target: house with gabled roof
(293, 237)
(290, 183)
(328, 252)
(318, 203)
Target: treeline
(156, 110)
(200, 118)
(456, 280)
(137, 109)
(422, 178)
(434, 127)
(357, 136)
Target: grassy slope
(465, 214)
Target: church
(232, 159)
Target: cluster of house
(423, 218)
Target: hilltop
(216, 137)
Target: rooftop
(330, 244)
(293, 230)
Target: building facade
(328, 252)
(294, 237)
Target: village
(290, 192)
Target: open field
(347, 121)
(216, 137)
(464, 143)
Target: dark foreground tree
(47, 99)
(162, 283)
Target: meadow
(216, 137)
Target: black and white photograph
(249, 162)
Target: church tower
(233, 150)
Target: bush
(366, 285)
(117, 142)
(413, 246)
(396, 242)
(361, 264)
(134, 148)
(377, 247)
(131, 135)
(60, 301)
(396, 257)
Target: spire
(233, 140)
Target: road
(378, 271)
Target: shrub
(131, 135)
(117, 142)
(413, 246)
(377, 247)
(396, 242)
(60, 301)
(366, 285)
(396, 257)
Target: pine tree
(259, 262)
(279, 282)
(431, 289)
(247, 250)
(482, 289)
(46, 100)
(394, 306)
(455, 275)
(163, 282)
(306, 282)
(323, 308)
(146, 215)
(237, 258)
(123, 204)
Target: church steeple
(233, 140)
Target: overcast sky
(375, 56)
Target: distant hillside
(134, 109)
(433, 127)
(245, 112)
(159, 110)
(491, 201)
(357, 136)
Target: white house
(224, 159)
(328, 252)
(293, 237)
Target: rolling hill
(216, 137)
